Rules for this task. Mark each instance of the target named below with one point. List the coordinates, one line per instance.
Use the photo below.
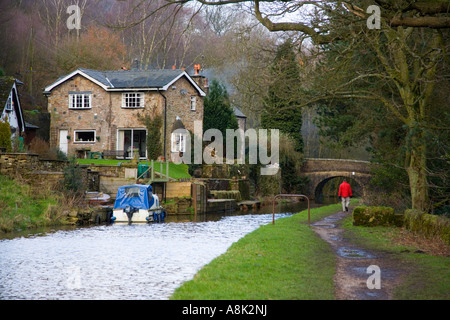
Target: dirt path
(351, 279)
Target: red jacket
(345, 190)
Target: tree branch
(426, 22)
(291, 26)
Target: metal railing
(288, 196)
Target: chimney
(174, 67)
(201, 81)
(197, 68)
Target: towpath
(353, 261)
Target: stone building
(99, 111)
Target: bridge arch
(318, 189)
(320, 171)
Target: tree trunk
(417, 174)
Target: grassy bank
(23, 206)
(289, 261)
(427, 274)
(283, 261)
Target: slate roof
(238, 113)
(6, 84)
(129, 79)
(134, 78)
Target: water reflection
(119, 261)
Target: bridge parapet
(324, 165)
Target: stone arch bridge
(320, 171)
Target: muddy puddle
(360, 273)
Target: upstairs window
(193, 103)
(80, 100)
(132, 100)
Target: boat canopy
(138, 196)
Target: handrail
(290, 196)
(151, 168)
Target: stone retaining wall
(24, 164)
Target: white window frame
(180, 145)
(193, 103)
(77, 131)
(9, 103)
(73, 96)
(126, 96)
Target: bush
(376, 216)
(42, 148)
(5, 136)
(73, 178)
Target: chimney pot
(197, 68)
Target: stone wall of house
(106, 114)
(179, 105)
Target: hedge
(376, 216)
(428, 225)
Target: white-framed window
(193, 103)
(80, 100)
(178, 142)
(132, 100)
(84, 136)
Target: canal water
(120, 261)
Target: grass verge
(426, 276)
(23, 206)
(285, 261)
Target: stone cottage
(98, 111)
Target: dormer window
(9, 104)
(80, 100)
(133, 100)
(178, 142)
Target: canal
(121, 261)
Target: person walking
(345, 192)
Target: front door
(63, 142)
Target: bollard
(289, 196)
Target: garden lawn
(176, 171)
(285, 261)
